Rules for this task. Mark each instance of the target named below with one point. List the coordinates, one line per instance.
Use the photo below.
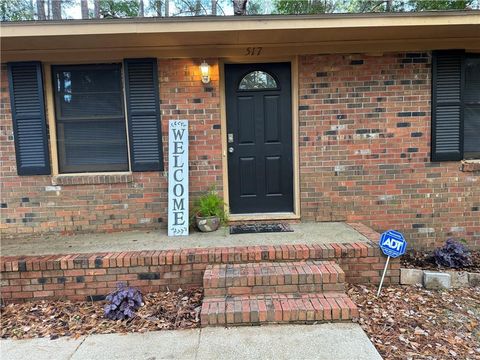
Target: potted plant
(209, 213)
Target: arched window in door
(257, 80)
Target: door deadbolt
(230, 138)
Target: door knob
(231, 150)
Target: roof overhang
(82, 40)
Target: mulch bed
(425, 261)
(409, 322)
(162, 311)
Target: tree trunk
(84, 5)
(389, 5)
(41, 10)
(167, 8)
(240, 7)
(57, 9)
(141, 8)
(158, 7)
(198, 8)
(96, 9)
(32, 9)
(214, 7)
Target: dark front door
(259, 137)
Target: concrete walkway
(303, 233)
(341, 341)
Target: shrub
(453, 255)
(123, 302)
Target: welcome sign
(177, 177)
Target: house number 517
(253, 51)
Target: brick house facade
(364, 150)
(369, 118)
(96, 203)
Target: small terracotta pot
(207, 224)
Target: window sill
(92, 179)
(470, 165)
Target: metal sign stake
(383, 276)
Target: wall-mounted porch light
(205, 72)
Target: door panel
(247, 173)
(273, 167)
(259, 124)
(246, 112)
(272, 118)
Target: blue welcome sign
(393, 243)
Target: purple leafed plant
(453, 255)
(123, 302)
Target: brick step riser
(278, 310)
(273, 289)
(288, 277)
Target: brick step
(277, 308)
(273, 278)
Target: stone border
(447, 279)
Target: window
(257, 80)
(90, 118)
(455, 106)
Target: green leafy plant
(210, 204)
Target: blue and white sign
(393, 243)
(177, 177)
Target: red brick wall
(365, 150)
(40, 204)
(364, 156)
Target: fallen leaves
(425, 261)
(408, 322)
(405, 322)
(161, 311)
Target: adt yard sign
(393, 243)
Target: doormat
(259, 228)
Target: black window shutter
(28, 114)
(447, 108)
(143, 112)
(471, 107)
